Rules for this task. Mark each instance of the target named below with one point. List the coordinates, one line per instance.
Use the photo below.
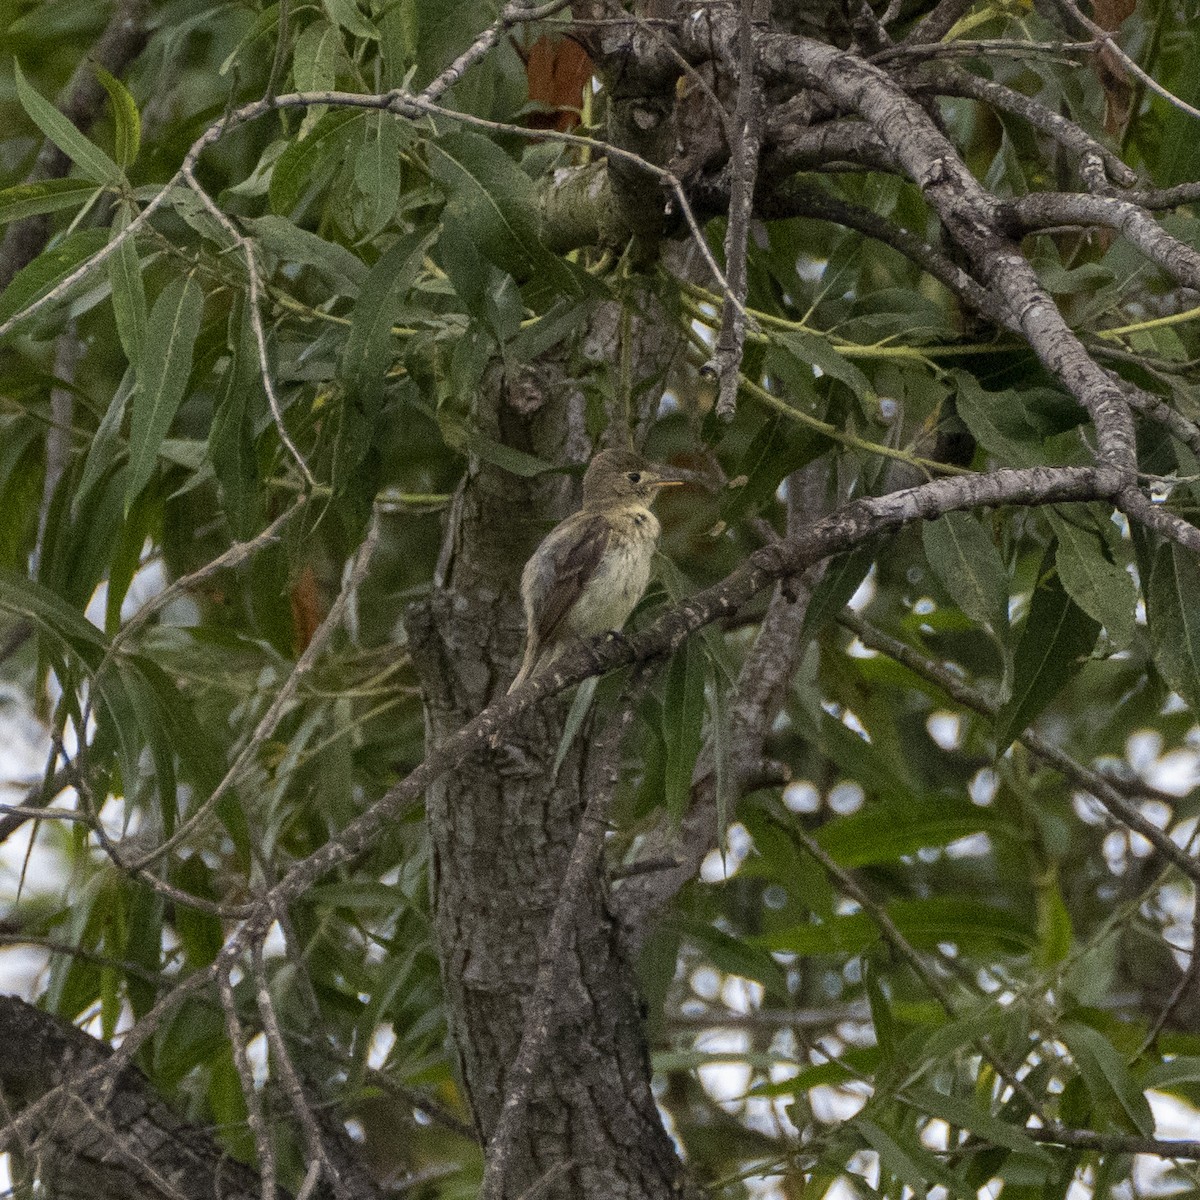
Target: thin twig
(1090, 781)
(273, 715)
(747, 135)
(246, 245)
(263, 1144)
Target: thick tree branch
(100, 1142)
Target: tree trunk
(503, 829)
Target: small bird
(591, 569)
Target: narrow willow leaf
(1053, 922)
(719, 722)
(1106, 1076)
(966, 1114)
(377, 171)
(312, 160)
(128, 292)
(106, 448)
(315, 61)
(231, 439)
(968, 565)
(369, 346)
(348, 15)
(283, 238)
(911, 1164)
(580, 703)
(492, 203)
(1174, 619)
(841, 580)
(125, 116)
(1058, 636)
(891, 827)
(738, 957)
(819, 352)
(1102, 589)
(683, 721)
(85, 154)
(49, 195)
(997, 422)
(49, 269)
(172, 328)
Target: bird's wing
(579, 544)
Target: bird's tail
(537, 658)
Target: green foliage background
(398, 260)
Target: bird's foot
(617, 638)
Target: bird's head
(618, 475)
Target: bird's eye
(634, 477)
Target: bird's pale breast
(620, 578)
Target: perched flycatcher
(591, 570)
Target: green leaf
(925, 923)
(912, 1164)
(172, 328)
(125, 116)
(1102, 589)
(1174, 620)
(86, 155)
(106, 447)
(882, 1016)
(377, 170)
(841, 580)
(50, 195)
(1058, 635)
(231, 440)
(1053, 922)
(311, 160)
(819, 352)
(49, 269)
(1106, 1076)
(683, 722)
(736, 956)
(889, 828)
(128, 292)
(1168, 1075)
(22, 475)
(581, 702)
(315, 57)
(369, 348)
(346, 13)
(283, 239)
(964, 1113)
(966, 561)
(491, 205)
(515, 462)
(997, 422)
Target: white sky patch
(718, 867)
(1142, 749)
(1176, 772)
(846, 797)
(382, 1041)
(802, 797)
(945, 728)
(865, 592)
(983, 787)
(725, 1082)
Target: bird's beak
(665, 477)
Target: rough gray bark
(104, 1143)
